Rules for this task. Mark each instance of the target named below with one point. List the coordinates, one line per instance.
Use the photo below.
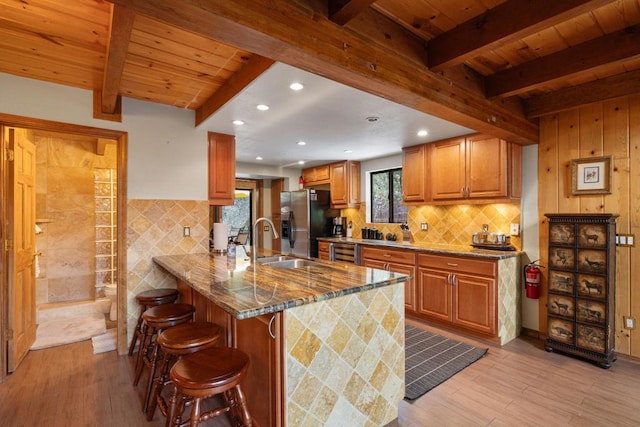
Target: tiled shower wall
(154, 228)
(450, 224)
(65, 209)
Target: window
(386, 197)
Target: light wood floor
(518, 384)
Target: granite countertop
(435, 248)
(245, 290)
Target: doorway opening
(109, 269)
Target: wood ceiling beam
(293, 32)
(506, 23)
(119, 36)
(341, 11)
(623, 84)
(255, 66)
(618, 46)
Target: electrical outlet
(424, 226)
(629, 322)
(186, 231)
(515, 230)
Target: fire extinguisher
(532, 280)
(301, 183)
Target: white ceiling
(328, 116)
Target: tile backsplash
(450, 224)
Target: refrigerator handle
(292, 230)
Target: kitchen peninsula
(325, 339)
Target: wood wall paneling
(606, 128)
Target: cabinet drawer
(323, 246)
(389, 255)
(459, 264)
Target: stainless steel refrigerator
(304, 215)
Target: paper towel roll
(220, 236)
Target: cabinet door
(486, 167)
(222, 168)
(324, 250)
(339, 187)
(409, 285)
(353, 186)
(447, 169)
(474, 303)
(414, 165)
(434, 294)
(255, 336)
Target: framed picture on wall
(591, 175)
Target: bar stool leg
(240, 407)
(152, 373)
(136, 333)
(194, 419)
(144, 348)
(161, 381)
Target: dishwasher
(348, 252)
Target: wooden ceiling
(491, 65)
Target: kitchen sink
(274, 258)
(293, 263)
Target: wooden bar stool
(157, 319)
(148, 299)
(204, 374)
(174, 343)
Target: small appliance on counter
(338, 227)
(406, 234)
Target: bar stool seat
(204, 374)
(148, 299)
(157, 319)
(176, 342)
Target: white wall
(530, 228)
(167, 155)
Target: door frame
(9, 120)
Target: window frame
(390, 172)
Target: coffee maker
(339, 227)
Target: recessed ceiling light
(301, 162)
(258, 158)
(372, 119)
(296, 86)
(238, 122)
(262, 107)
(348, 151)
(301, 143)
(422, 132)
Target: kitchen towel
(220, 236)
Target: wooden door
(448, 169)
(22, 201)
(486, 167)
(414, 169)
(434, 294)
(474, 304)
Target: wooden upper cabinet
(316, 175)
(414, 183)
(447, 169)
(477, 167)
(345, 184)
(222, 168)
(486, 167)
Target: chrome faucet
(254, 249)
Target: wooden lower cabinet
(398, 261)
(324, 250)
(261, 337)
(458, 291)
